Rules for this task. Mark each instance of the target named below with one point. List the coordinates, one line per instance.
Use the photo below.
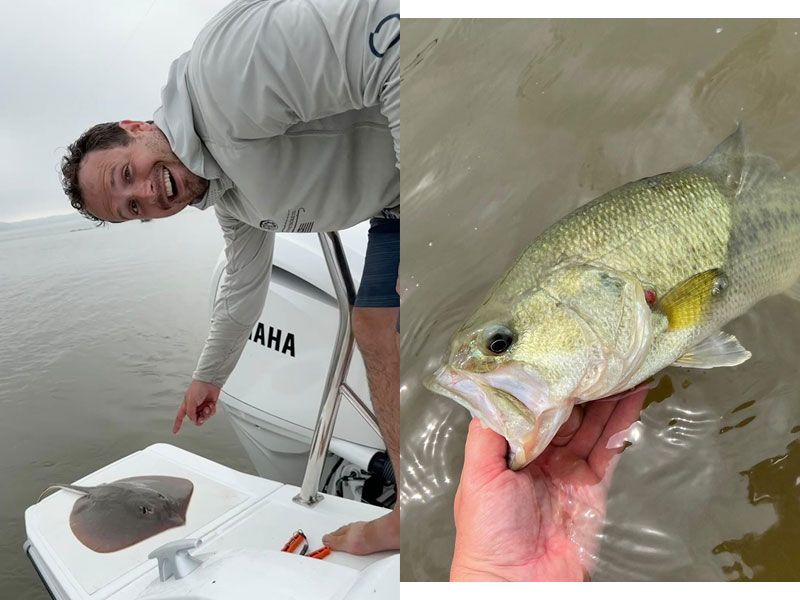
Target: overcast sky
(66, 65)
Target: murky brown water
(508, 126)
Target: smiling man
(142, 179)
(283, 117)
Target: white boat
(287, 358)
(236, 524)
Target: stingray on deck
(115, 515)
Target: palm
(543, 522)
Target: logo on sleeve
(268, 224)
(376, 40)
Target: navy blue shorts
(378, 287)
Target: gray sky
(69, 64)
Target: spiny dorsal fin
(687, 303)
(727, 161)
(718, 350)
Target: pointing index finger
(179, 419)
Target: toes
(330, 539)
(336, 539)
(349, 538)
(366, 537)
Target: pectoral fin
(718, 350)
(687, 303)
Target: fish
(640, 278)
(112, 516)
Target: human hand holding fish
(541, 523)
(641, 278)
(199, 404)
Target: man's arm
(238, 305)
(298, 61)
(239, 301)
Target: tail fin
(83, 491)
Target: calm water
(99, 336)
(510, 125)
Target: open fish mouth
(511, 401)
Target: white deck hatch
(235, 514)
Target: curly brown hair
(99, 137)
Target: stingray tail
(84, 491)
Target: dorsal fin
(727, 161)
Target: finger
(626, 393)
(484, 454)
(205, 411)
(570, 427)
(179, 419)
(626, 412)
(595, 417)
(190, 410)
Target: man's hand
(541, 523)
(199, 404)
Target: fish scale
(642, 228)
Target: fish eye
(145, 510)
(499, 340)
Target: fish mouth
(513, 401)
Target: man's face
(143, 180)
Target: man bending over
(284, 116)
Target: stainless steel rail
(361, 408)
(335, 387)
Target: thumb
(485, 453)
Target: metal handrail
(361, 408)
(335, 387)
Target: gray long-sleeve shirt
(290, 108)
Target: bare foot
(367, 537)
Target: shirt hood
(175, 118)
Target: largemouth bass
(638, 279)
